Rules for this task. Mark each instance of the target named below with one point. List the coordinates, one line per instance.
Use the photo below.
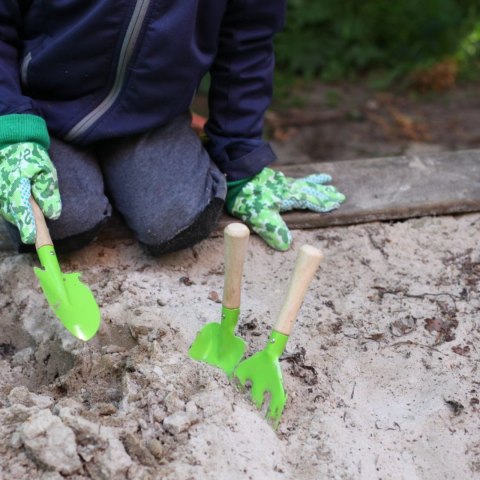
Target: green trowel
(263, 370)
(216, 343)
(70, 299)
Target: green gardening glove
(260, 200)
(25, 170)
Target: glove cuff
(233, 189)
(23, 127)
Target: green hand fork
(216, 343)
(263, 370)
(70, 299)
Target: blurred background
(376, 78)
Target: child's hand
(26, 169)
(262, 198)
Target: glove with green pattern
(259, 201)
(26, 169)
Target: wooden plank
(394, 188)
(377, 189)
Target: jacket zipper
(24, 68)
(126, 52)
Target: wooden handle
(236, 239)
(43, 235)
(308, 260)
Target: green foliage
(340, 38)
(468, 54)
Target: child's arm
(25, 167)
(241, 87)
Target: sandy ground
(382, 369)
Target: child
(96, 94)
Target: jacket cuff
(247, 165)
(23, 127)
(233, 189)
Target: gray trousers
(162, 182)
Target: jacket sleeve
(241, 87)
(18, 120)
(11, 98)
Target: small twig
(353, 390)
(382, 291)
(423, 295)
(395, 424)
(409, 342)
(376, 244)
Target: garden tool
(263, 370)
(70, 299)
(216, 343)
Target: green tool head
(70, 299)
(216, 344)
(263, 372)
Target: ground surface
(347, 122)
(382, 369)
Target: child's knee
(80, 216)
(168, 237)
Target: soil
(353, 121)
(382, 369)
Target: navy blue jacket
(97, 69)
